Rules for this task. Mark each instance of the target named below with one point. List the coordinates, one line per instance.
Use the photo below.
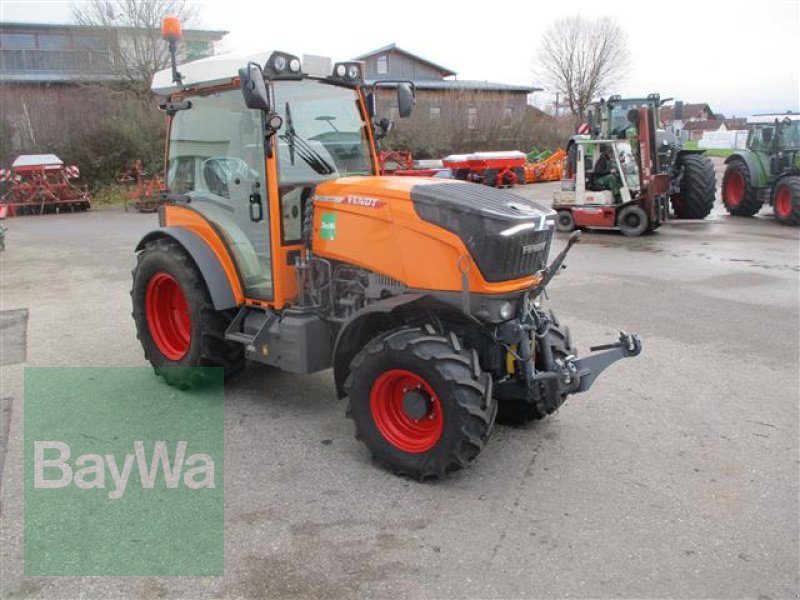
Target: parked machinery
(642, 204)
(145, 192)
(692, 179)
(496, 169)
(281, 243)
(40, 183)
(768, 171)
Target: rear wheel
(519, 412)
(698, 188)
(738, 194)
(632, 220)
(176, 321)
(786, 201)
(420, 402)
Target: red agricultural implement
(146, 196)
(40, 183)
(498, 169)
(401, 163)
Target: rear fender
(210, 268)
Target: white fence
(723, 140)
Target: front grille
(503, 258)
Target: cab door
(216, 159)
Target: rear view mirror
(254, 90)
(406, 99)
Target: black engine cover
(507, 235)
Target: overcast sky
(740, 57)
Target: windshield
(619, 116)
(323, 135)
(791, 136)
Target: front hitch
(585, 370)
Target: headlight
(294, 65)
(506, 310)
(341, 70)
(279, 63)
(352, 72)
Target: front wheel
(632, 220)
(738, 194)
(176, 322)
(786, 201)
(420, 402)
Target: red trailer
(499, 169)
(41, 183)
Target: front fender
(210, 268)
(362, 327)
(747, 159)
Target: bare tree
(581, 58)
(132, 29)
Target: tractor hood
(508, 236)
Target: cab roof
(205, 72)
(764, 119)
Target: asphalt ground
(676, 475)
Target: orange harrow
(549, 169)
(40, 184)
(146, 196)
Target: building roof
(468, 84)
(395, 48)
(771, 118)
(709, 125)
(213, 34)
(690, 111)
(736, 124)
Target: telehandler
(279, 243)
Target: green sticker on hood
(328, 228)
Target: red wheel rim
(168, 316)
(390, 416)
(783, 202)
(734, 188)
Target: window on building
(472, 117)
(17, 41)
(54, 42)
(436, 112)
(508, 116)
(90, 42)
(383, 65)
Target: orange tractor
(280, 243)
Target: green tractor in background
(768, 171)
(692, 183)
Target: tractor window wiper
(298, 146)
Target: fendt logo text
(89, 470)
